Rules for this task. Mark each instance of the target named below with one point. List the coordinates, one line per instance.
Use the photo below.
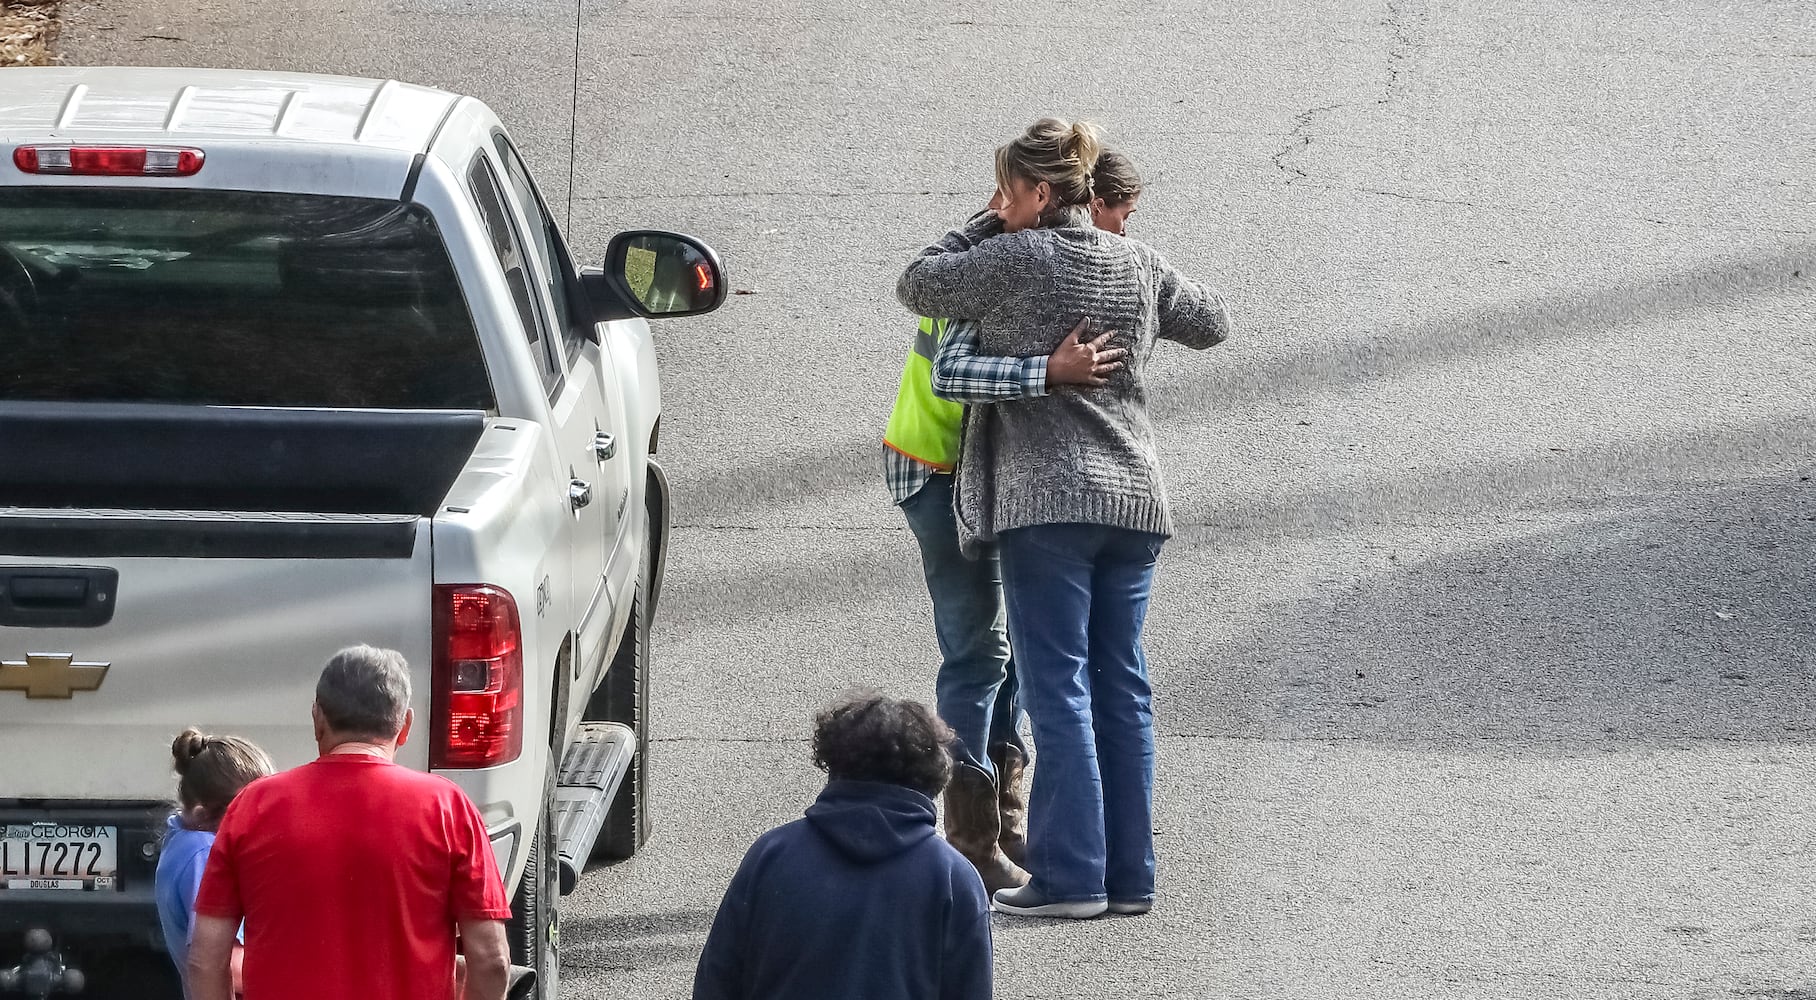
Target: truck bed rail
(217, 458)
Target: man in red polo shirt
(353, 874)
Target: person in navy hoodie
(859, 898)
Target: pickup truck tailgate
(221, 621)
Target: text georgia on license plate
(58, 856)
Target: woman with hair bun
(211, 772)
(1115, 192)
(1069, 487)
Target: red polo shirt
(351, 873)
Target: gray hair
(365, 691)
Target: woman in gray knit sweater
(1069, 487)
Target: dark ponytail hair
(1115, 179)
(211, 770)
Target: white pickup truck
(289, 363)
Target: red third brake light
(108, 161)
(478, 680)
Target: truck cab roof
(259, 130)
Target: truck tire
(624, 698)
(534, 929)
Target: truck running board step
(594, 766)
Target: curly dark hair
(866, 736)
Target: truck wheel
(534, 929)
(624, 698)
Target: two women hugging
(1064, 486)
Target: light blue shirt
(179, 878)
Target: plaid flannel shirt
(965, 376)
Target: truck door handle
(580, 493)
(57, 596)
(604, 446)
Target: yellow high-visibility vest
(923, 426)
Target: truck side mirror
(656, 275)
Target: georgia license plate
(58, 856)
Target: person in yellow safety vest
(986, 815)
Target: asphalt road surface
(1483, 653)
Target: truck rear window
(231, 298)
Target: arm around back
(1189, 313)
(961, 275)
(962, 375)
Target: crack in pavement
(1405, 25)
(1299, 137)
(1403, 45)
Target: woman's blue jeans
(1077, 596)
(975, 690)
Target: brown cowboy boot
(1012, 807)
(972, 827)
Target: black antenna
(573, 125)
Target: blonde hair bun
(1084, 144)
(1056, 152)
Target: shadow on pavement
(1690, 614)
(1395, 351)
(799, 570)
(854, 456)
(635, 941)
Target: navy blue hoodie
(859, 901)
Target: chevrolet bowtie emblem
(50, 675)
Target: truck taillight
(109, 161)
(478, 682)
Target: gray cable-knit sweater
(1077, 454)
